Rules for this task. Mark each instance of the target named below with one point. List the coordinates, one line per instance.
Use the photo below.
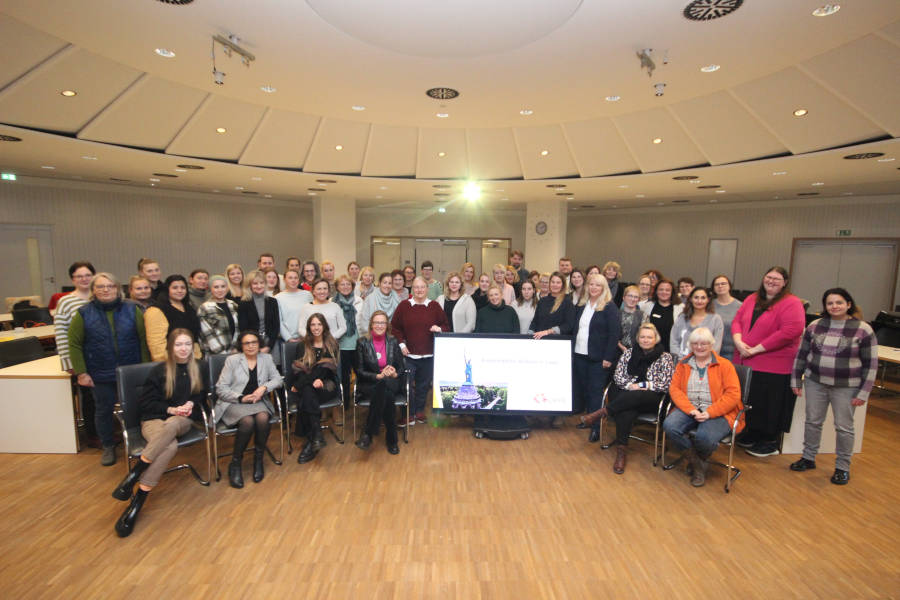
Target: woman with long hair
(380, 377)
(170, 404)
(554, 313)
(351, 305)
(172, 310)
(726, 307)
(499, 279)
(236, 286)
(662, 310)
(579, 289)
(525, 305)
(218, 319)
(479, 297)
(259, 312)
(383, 299)
(469, 281)
(366, 284)
(698, 312)
(273, 281)
(458, 306)
(314, 378)
(309, 273)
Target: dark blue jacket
(604, 332)
(102, 353)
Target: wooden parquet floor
(456, 517)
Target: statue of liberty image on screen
(468, 396)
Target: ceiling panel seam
(518, 152)
(36, 65)
(39, 67)
(634, 156)
(366, 152)
(468, 154)
(760, 120)
(565, 134)
(886, 37)
(120, 96)
(805, 70)
(365, 149)
(312, 144)
(185, 125)
(687, 132)
(259, 123)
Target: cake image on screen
(468, 396)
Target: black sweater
(497, 319)
(248, 318)
(153, 400)
(564, 317)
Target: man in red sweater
(414, 324)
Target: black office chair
(400, 399)
(650, 419)
(288, 354)
(745, 374)
(215, 364)
(22, 350)
(31, 317)
(130, 381)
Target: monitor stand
(501, 427)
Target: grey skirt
(236, 411)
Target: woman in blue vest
(105, 333)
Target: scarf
(641, 360)
(387, 303)
(346, 304)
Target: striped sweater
(838, 354)
(65, 310)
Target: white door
(722, 258)
(385, 257)
(27, 265)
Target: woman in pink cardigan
(766, 331)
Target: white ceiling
(141, 114)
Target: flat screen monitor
(502, 374)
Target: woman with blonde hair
(235, 275)
(259, 312)
(366, 283)
(553, 315)
(469, 281)
(507, 291)
(458, 306)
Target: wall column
(334, 231)
(542, 252)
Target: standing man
(565, 267)
(267, 260)
(435, 287)
(516, 259)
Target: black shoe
(235, 476)
(393, 448)
(804, 464)
(258, 470)
(594, 436)
(745, 439)
(582, 425)
(126, 486)
(364, 441)
(763, 449)
(840, 477)
(309, 452)
(318, 440)
(125, 524)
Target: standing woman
(323, 305)
(328, 274)
(612, 271)
(292, 263)
(366, 283)
(596, 338)
(509, 294)
(479, 297)
(242, 389)
(258, 312)
(470, 283)
(290, 301)
(579, 290)
(82, 275)
(525, 305)
(149, 268)
(497, 316)
(458, 306)
(630, 317)
(351, 305)
(698, 312)
(310, 273)
(171, 401)
(314, 378)
(383, 299)
(105, 333)
(663, 309)
(171, 311)
(273, 282)
(235, 274)
(139, 292)
(554, 313)
(838, 359)
(353, 271)
(544, 285)
(645, 288)
(766, 331)
(380, 372)
(512, 278)
(218, 319)
(726, 307)
(398, 280)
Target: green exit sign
(844, 233)
(8, 176)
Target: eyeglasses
(250, 343)
(104, 286)
(379, 323)
(773, 279)
(86, 276)
(700, 344)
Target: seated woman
(242, 390)
(497, 316)
(218, 319)
(259, 312)
(171, 400)
(380, 377)
(554, 313)
(698, 312)
(707, 396)
(642, 376)
(458, 306)
(314, 377)
(525, 305)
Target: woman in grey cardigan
(459, 304)
(698, 312)
(241, 389)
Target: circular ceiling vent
(685, 178)
(808, 194)
(441, 186)
(442, 93)
(441, 194)
(863, 155)
(164, 175)
(193, 167)
(556, 186)
(118, 180)
(176, 2)
(707, 10)
(316, 190)
(708, 187)
(9, 138)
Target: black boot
(364, 441)
(258, 470)
(309, 452)
(235, 476)
(318, 439)
(125, 524)
(126, 486)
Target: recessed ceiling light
(891, 159)
(720, 191)
(442, 154)
(181, 170)
(526, 111)
(379, 197)
(710, 68)
(545, 152)
(847, 194)
(779, 173)
(441, 209)
(89, 157)
(268, 195)
(801, 112)
(712, 200)
(154, 179)
(818, 183)
(570, 197)
(623, 186)
(310, 193)
(640, 196)
(382, 187)
(216, 191)
(256, 178)
(442, 115)
(657, 140)
(826, 10)
(47, 167)
(613, 98)
(69, 93)
(358, 107)
(268, 89)
(165, 52)
(221, 130)
(694, 181)
(338, 147)
(660, 203)
(238, 187)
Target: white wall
(113, 226)
(675, 240)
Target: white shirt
(584, 323)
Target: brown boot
(591, 418)
(619, 465)
(698, 479)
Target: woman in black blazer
(380, 377)
(554, 313)
(254, 302)
(597, 331)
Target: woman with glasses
(766, 331)
(381, 372)
(726, 307)
(309, 274)
(630, 317)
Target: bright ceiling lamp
(471, 191)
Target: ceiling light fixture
(818, 183)
(441, 209)
(358, 107)
(154, 179)
(710, 68)
(47, 167)
(238, 187)
(623, 186)
(640, 196)
(442, 154)
(181, 170)
(657, 140)
(720, 191)
(442, 115)
(545, 152)
(268, 89)
(86, 157)
(338, 147)
(165, 52)
(68, 93)
(8, 177)
(613, 98)
(826, 10)
(801, 112)
(891, 159)
(526, 111)
(256, 178)
(221, 130)
(779, 173)
(471, 191)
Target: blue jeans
(104, 403)
(707, 434)
(421, 372)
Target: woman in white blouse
(322, 303)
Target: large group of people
(649, 342)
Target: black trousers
(309, 413)
(348, 364)
(624, 406)
(381, 408)
(773, 405)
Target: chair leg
(215, 455)
(656, 448)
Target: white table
(793, 441)
(36, 398)
(44, 332)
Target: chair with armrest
(31, 317)
(22, 350)
(288, 355)
(215, 364)
(130, 381)
(650, 419)
(401, 399)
